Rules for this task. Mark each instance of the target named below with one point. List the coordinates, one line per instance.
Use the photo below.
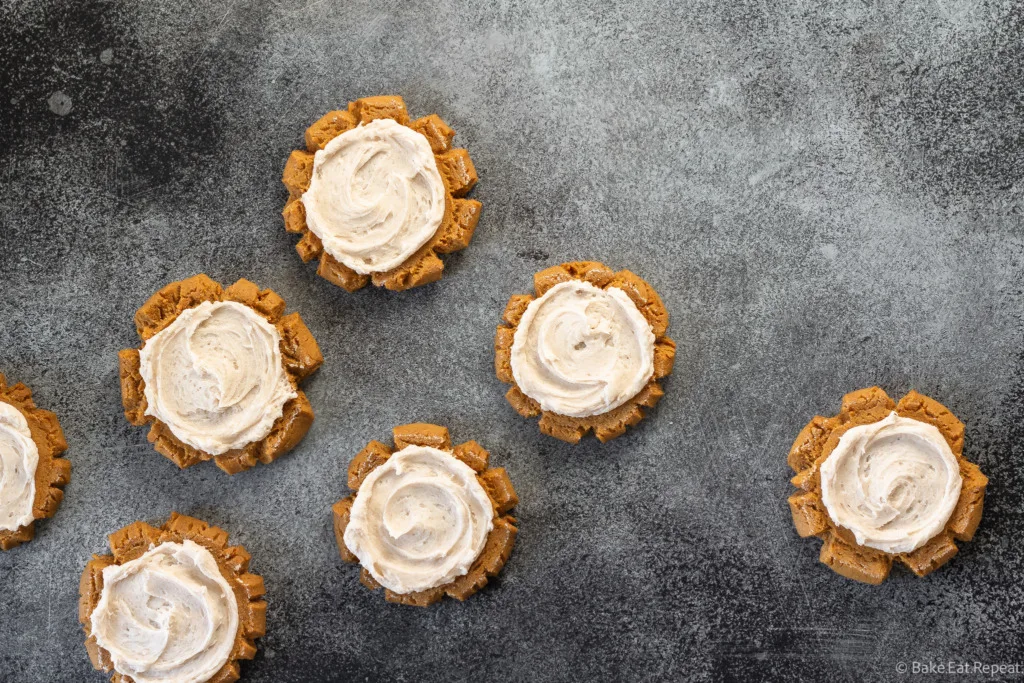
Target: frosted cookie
(426, 520)
(217, 374)
(376, 197)
(586, 352)
(31, 475)
(884, 481)
(172, 603)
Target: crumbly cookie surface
(840, 550)
(132, 541)
(454, 164)
(300, 355)
(495, 482)
(52, 472)
(613, 423)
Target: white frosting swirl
(215, 376)
(580, 350)
(419, 520)
(893, 483)
(19, 458)
(376, 196)
(168, 616)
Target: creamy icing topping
(419, 520)
(19, 458)
(580, 350)
(376, 196)
(168, 616)
(893, 483)
(215, 376)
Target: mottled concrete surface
(827, 196)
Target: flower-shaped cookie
(217, 374)
(377, 197)
(174, 602)
(426, 520)
(32, 475)
(586, 352)
(894, 476)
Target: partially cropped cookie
(217, 374)
(884, 481)
(171, 603)
(585, 352)
(426, 519)
(31, 475)
(376, 196)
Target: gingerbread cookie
(885, 481)
(376, 197)
(32, 475)
(426, 520)
(586, 352)
(174, 602)
(217, 374)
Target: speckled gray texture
(826, 195)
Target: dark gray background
(825, 198)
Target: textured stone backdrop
(827, 196)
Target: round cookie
(219, 411)
(424, 475)
(30, 439)
(157, 575)
(908, 491)
(598, 354)
(352, 227)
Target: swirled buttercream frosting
(419, 520)
(215, 376)
(167, 616)
(893, 483)
(580, 350)
(375, 196)
(19, 458)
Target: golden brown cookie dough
(495, 482)
(457, 172)
(132, 541)
(840, 550)
(52, 473)
(300, 355)
(613, 423)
